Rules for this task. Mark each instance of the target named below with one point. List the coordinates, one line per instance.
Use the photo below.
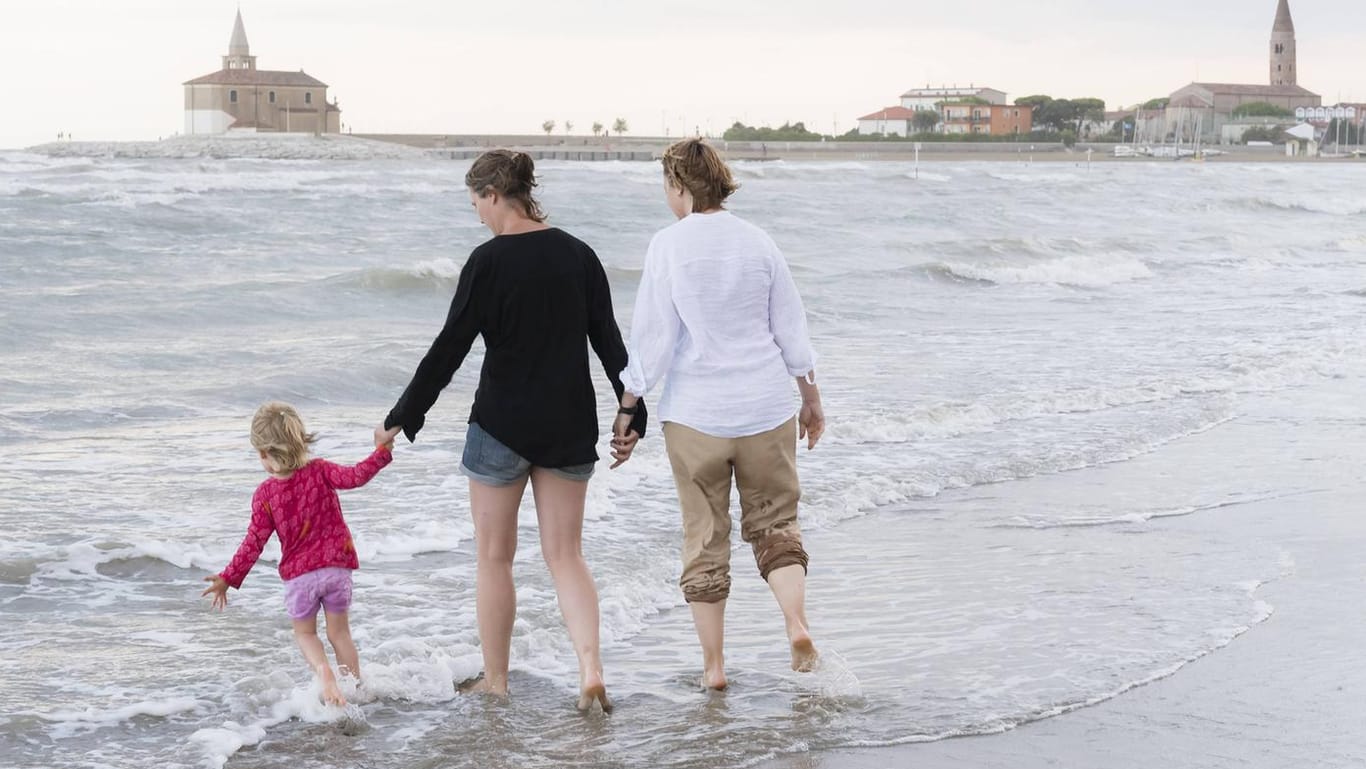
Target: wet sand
(1289, 692)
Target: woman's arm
(444, 357)
(787, 319)
(654, 329)
(605, 337)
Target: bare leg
(710, 620)
(559, 511)
(789, 587)
(306, 634)
(495, 530)
(343, 648)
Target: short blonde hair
(694, 166)
(278, 432)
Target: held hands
(219, 589)
(623, 440)
(384, 439)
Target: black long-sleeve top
(534, 297)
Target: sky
(113, 69)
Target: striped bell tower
(1283, 70)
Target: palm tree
(568, 126)
(597, 128)
(548, 126)
(619, 125)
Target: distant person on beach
(299, 504)
(719, 319)
(535, 294)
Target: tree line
(619, 127)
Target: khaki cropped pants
(764, 467)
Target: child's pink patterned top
(305, 512)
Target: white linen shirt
(719, 318)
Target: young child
(299, 503)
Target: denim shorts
(489, 462)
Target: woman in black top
(534, 293)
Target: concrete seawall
(468, 146)
(644, 148)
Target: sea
(1031, 371)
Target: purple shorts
(329, 588)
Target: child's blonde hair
(278, 431)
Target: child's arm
(258, 534)
(349, 477)
(219, 588)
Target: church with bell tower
(1215, 105)
(240, 97)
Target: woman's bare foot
(715, 678)
(482, 685)
(804, 654)
(593, 690)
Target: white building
(889, 121)
(929, 98)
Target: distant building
(1211, 106)
(889, 121)
(960, 110)
(929, 98)
(240, 97)
(992, 119)
(1283, 47)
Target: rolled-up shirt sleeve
(654, 327)
(787, 319)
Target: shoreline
(1293, 676)
(623, 149)
(1285, 692)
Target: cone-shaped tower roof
(239, 47)
(1283, 21)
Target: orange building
(993, 119)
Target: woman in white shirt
(719, 318)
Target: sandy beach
(1286, 693)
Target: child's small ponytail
(278, 431)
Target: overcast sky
(113, 69)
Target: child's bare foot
(715, 678)
(332, 694)
(804, 654)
